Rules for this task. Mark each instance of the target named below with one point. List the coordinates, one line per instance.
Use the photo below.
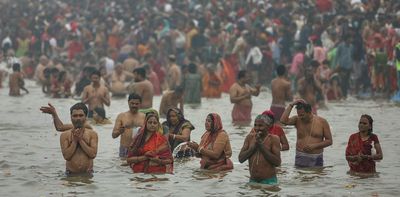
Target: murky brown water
(31, 163)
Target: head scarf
(216, 123)
(155, 112)
(139, 140)
(181, 119)
(216, 127)
(269, 113)
(265, 118)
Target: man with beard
(313, 134)
(127, 123)
(142, 87)
(262, 149)
(79, 144)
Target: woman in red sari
(149, 151)
(215, 147)
(359, 148)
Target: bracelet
(199, 149)
(174, 136)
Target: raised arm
(58, 124)
(285, 116)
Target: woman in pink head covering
(214, 148)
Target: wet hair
(96, 72)
(241, 74)
(101, 112)
(134, 96)
(305, 106)
(79, 106)
(16, 67)
(281, 70)
(140, 71)
(370, 120)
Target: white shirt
(254, 54)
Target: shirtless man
(16, 81)
(174, 74)
(281, 92)
(58, 124)
(130, 63)
(118, 78)
(39, 71)
(313, 134)
(263, 152)
(170, 99)
(142, 87)
(240, 95)
(127, 123)
(79, 144)
(95, 94)
(309, 87)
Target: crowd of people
(316, 50)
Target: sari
(177, 129)
(208, 140)
(156, 146)
(357, 146)
(211, 85)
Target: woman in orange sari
(211, 83)
(359, 148)
(149, 151)
(214, 148)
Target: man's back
(280, 90)
(146, 90)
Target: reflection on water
(31, 158)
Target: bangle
(173, 136)
(199, 149)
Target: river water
(31, 163)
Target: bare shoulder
(87, 88)
(91, 132)
(223, 135)
(65, 134)
(233, 87)
(275, 139)
(321, 120)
